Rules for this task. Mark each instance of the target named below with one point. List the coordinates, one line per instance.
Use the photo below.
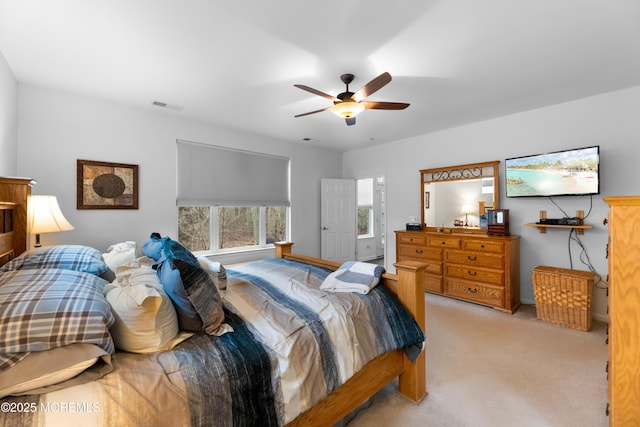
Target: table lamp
(46, 217)
(466, 210)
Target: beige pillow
(145, 319)
(43, 371)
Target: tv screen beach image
(571, 172)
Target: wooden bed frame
(412, 384)
(406, 284)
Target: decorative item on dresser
(624, 310)
(474, 267)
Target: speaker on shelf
(498, 222)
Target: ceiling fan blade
(312, 112)
(351, 121)
(372, 105)
(316, 92)
(373, 86)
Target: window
(365, 208)
(230, 199)
(237, 227)
(364, 221)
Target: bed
(243, 371)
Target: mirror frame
(460, 173)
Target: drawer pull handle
(482, 246)
(472, 291)
(472, 258)
(418, 251)
(472, 273)
(443, 243)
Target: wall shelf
(543, 227)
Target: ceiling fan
(349, 104)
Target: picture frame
(106, 185)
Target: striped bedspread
(292, 345)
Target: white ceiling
(234, 63)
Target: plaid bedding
(46, 308)
(292, 344)
(68, 257)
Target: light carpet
(488, 368)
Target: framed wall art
(104, 185)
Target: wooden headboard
(14, 196)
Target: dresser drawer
(419, 252)
(474, 258)
(480, 293)
(486, 275)
(411, 239)
(478, 245)
(433, 283)
(443, 242)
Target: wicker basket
(563, 296)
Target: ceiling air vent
(169, 106)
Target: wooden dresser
(624, 310)
(473, 267)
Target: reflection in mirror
(458, 196)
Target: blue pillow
(193, 293)
(153, 247)
(66, 257)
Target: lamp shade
(466, 209)
(347, 109)
(46, 216)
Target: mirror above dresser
(455, 197)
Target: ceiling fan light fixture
(347, 109)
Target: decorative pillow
(146, 321)
(44, 371)
(153, 247)
(66, 257)
(117, 255)
(194, 295)
(353, 276)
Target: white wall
(56, 129)
(8, 120)
(609, 120)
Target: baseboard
(597, 316)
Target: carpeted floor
(488, 368)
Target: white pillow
(216, 271)
(119, 254)
(145, 319)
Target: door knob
(325, 228)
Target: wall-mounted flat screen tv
(562, 173)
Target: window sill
(239, 255)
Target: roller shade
(210, 175)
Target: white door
(338, 219)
